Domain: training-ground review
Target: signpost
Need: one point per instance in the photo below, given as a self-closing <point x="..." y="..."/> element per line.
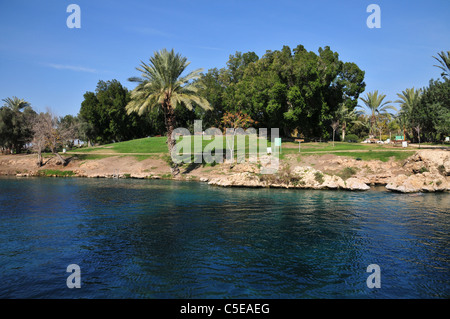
<point x="299" y="142"/>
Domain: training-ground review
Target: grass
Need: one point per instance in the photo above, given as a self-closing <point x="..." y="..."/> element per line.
<point x="383" y="156"/>
<point x="158" y="146"/>
<point x="55" y="172"/>
<point x="90" y="156"/>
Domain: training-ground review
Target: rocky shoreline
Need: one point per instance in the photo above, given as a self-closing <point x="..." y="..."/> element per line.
<point x="425" y="171"/>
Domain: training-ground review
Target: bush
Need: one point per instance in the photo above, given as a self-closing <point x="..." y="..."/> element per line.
<point x="319" y="177"/>
<point x="352" y="138"/>
<point x="423" y="170"/>
<point x="348" y="172"/>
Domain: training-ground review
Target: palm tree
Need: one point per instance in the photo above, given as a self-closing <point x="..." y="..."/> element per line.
<point x="20" y="114"/>
<point x="334" y="125"/>
<point x="161" y="85"/>
<point x="374" y="106"/>
<point x="444" y="60"/>
<point x="346" y="115"/>
<point x="408" y="100"/>
<point x="15" y="104"/>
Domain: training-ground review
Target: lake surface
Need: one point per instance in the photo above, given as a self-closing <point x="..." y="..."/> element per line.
<point x="168" y="239"/>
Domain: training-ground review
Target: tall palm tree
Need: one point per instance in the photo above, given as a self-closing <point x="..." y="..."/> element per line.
<point x="161" y="85"/>
<point x="408" y="99"/>
<point x="444" y="60"/>
<point x="375" y="106"/>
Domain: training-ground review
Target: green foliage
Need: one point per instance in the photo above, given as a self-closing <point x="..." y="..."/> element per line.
<point x="444" y="61"/>
<point x="408" y="100"/>
<point x="383" y="156"/>
<point x="347" y="172"/>
<point x="375" y="107"/>
<point x="319" y="177"/>
<point x="103" y="115"/>
<point x="55" y="172"/>
<point x="432" y="113"/>
<point x="283" y="176"/>
<point x="423" y="169"/>
<point x="351" y="138"/>
<point x="288" y="89"/>
<point x="16" y="118"/>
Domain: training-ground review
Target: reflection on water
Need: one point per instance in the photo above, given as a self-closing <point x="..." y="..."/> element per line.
<point x="166" y="239"/>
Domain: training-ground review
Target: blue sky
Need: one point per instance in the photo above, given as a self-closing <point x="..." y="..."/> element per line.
<point x="50" y="65"/>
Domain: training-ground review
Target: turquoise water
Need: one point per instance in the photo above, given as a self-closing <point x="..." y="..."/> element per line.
<point x="168" y="239"/>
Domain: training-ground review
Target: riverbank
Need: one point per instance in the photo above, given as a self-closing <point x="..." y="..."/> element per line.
<point x="424" y="171"/>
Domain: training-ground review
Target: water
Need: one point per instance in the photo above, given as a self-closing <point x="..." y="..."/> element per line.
<point x="167" y="239"/>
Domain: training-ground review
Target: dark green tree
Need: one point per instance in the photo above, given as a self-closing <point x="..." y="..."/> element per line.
<point x="103" y="116"/>
<point x="432" y="113"/>
<point x="16" y="116"/>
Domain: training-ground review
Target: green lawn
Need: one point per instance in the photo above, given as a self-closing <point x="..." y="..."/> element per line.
<point x="146" y="147"/>
<point x="383" y="156"/>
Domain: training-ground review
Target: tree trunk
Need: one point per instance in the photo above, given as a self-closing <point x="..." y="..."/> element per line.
<point x="333" y="137"/>
<point x="169" y="115"/>
<point x="61" y="159"/>
<point x="39" y="161"/>
<point x="344" y="127"/>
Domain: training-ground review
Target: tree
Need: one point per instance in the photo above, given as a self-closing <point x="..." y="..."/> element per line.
<point x="408" y="99"/>
<point x="374" y="106"/>
<point x="161" y="85"/>
<point x="49" y="133"/>
<point x="345" y="116"/>
<point x="444" y="61"/>
<point x="104" y="116"/>
<point x="15" y="118"/>
<point x="291" y="89"/>
<point x="417" y="128"/>
<point x="334" y="126"/>
<point x="432" y="112"/>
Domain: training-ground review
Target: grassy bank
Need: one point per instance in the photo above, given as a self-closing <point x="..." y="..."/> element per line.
<point x="156" y="146"/>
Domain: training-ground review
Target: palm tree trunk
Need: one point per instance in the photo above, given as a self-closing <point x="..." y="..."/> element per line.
<point x="169" y="116"/>
<point x="344" y="127"/>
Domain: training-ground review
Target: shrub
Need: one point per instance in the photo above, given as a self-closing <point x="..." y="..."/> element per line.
<point x="352" y="138"/>
<point x="441" y="169"/>
<point x="347" y="172"/>
<point x="319" y="177"/>
<point x="423" y="170"/>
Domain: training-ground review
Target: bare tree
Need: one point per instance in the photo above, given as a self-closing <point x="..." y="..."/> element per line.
<point x="334" y="125"/>
<point x="41" y="126"/>
<point x="49" y="133"/>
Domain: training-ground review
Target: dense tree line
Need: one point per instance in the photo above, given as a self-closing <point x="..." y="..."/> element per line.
<point x="103" y="117"/>
<point x="314" y="95"/>
<point x="295" y="90"/>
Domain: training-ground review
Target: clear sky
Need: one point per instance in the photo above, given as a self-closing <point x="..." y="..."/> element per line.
<point x="50" y="65"/>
